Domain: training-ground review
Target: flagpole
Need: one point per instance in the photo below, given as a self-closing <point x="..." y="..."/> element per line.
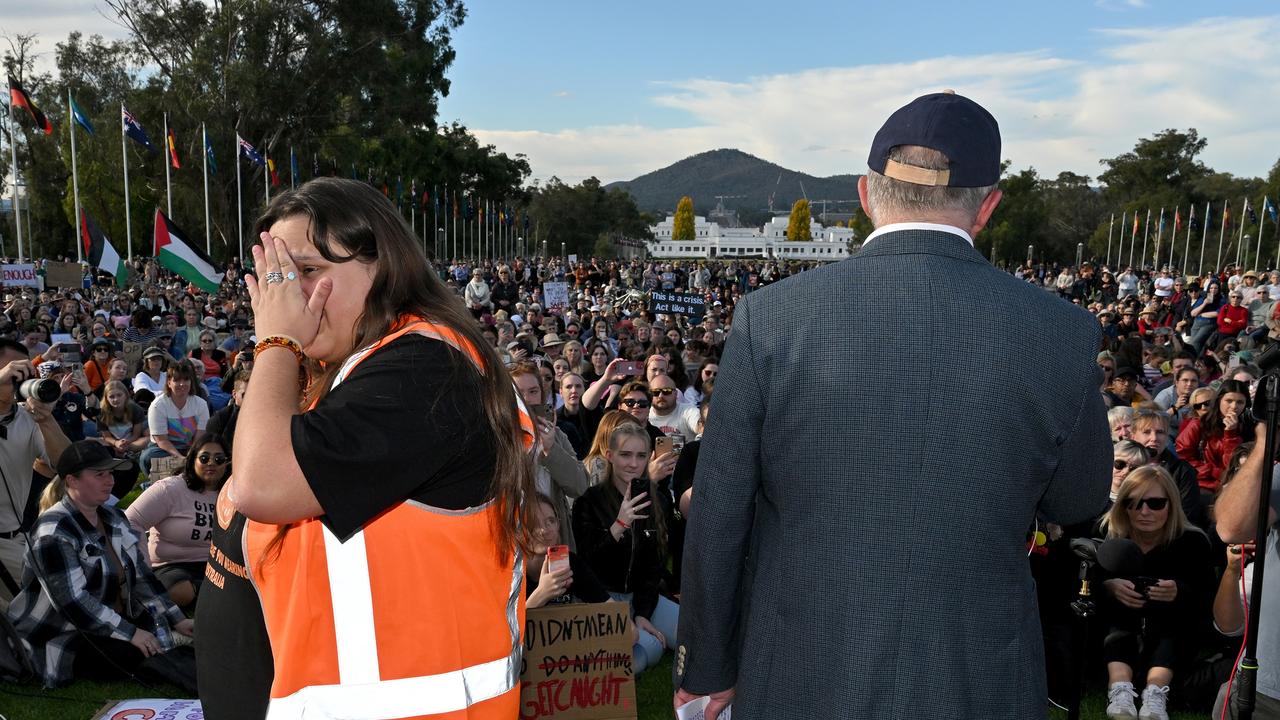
<point x="1119" y="246"/>
<point x="124" y="152"/>
<point x="1133" y="237"/>
<point x="293" y="176"/>
<point x="454" y="217"/>
<point x="239" y="208"/>
<point x="1222" y="232"/>
<point x="1239" y="249"/>
<point x="13" y="150"/>
<point x="168" y="186"/>
<point x="204" y="153"/>
<point x="1146" y="232"/>
<point x="75" y="176"/>
<point x="1155" y="253"/>
<point x="1173" y="236"/>
<point x="435" y="220"/>
<point x="1204" y="236"/>
<point x="1186" y="248"/>
<point x="266" y="176"/>
<point x="1257" y="252"/>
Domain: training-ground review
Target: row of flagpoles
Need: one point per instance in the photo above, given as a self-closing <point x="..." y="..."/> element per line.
<point x="497" y="226"/>
<point x="1269" y="210"/>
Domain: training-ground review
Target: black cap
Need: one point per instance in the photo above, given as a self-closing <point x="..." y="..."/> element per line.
<point x="1127" y="371"/>
<point x="88" y="455"/>
<point x="951" y="124"/>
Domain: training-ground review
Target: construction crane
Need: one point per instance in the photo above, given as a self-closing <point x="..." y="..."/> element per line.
<point x="775" y="192"/>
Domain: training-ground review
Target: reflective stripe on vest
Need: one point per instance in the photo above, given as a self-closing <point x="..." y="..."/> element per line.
<point x="404" y="619"/>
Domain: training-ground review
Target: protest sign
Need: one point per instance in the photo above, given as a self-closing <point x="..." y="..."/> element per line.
<point x="63" y="274"/>
<point x="577" y="663"/>
<point x="555" y="294"/>
<point x="573" y="259"/>
<point x="151" y="709"/>
<point x="674" y="303"/>
<point x="23" y="274"/>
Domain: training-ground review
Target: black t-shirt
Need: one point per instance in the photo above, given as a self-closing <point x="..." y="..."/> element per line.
<point x="407" y="423"/>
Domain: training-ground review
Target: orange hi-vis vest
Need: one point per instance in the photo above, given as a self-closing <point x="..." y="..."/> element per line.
<point x="412" y="617"/>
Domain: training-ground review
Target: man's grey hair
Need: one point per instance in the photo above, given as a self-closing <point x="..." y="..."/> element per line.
<point x="903" y="200"/>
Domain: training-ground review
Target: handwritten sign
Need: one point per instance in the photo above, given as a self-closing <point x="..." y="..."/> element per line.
<point x="63" y="274"/>
<point x="555" y="294"/>
<point x="23" y="275"/>
<point x="674" y="303"/>
<point x="152" y="709"/>
<point x="577" y="663"/>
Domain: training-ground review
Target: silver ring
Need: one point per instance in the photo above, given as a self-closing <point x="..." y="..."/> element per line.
<point x="274" y="277"/>
<point x="291" y="276"/>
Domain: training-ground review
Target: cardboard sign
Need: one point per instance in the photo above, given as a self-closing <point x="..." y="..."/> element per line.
<point x="577" y="663"/>
<point x="152" y="709"/>
<point x="555" y="294"/>
<point x="63" y="274"/>
<point x="23" y="275"/>
<point x="674" y="303"/>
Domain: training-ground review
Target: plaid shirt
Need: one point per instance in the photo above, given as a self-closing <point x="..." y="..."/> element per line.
<point x="78" y="587"/>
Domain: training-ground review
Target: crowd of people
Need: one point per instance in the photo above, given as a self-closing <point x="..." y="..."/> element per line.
<point x="151" y="379"/>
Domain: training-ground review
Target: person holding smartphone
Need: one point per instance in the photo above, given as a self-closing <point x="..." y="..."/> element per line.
<point x="548" y="581"/>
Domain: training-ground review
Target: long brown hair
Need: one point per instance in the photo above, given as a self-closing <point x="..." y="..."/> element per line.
<point x="349" y="220"/>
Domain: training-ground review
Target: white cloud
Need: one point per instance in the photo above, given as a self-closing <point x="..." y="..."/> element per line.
<point x="53" y="20"/>
<point x="1055" y="113"/>
<point x="562" y="94"/>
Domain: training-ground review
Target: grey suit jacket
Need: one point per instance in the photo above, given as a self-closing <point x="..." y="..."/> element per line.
<point x="882" y="433"/>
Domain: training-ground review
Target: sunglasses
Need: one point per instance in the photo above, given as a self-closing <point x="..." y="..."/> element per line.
<point x="660" y="392"/>
<point x="1156" y="503"/>
<point x="208" y="459"/>
<point x="1122" y="464"/>
<point x="1200" y="405"/>
<point x="631" y="403"/>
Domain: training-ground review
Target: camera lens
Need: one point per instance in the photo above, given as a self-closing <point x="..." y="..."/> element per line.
<point x="44" y="390"/>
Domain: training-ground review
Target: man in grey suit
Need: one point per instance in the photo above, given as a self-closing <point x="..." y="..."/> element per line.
<point x="857" y="542"/>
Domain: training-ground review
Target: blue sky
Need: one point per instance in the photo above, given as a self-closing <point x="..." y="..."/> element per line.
<point x="617" y="89"/>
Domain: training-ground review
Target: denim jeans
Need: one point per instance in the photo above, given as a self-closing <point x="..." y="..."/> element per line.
<point x="648" y="650"/>
<point x="1200" y="332"/>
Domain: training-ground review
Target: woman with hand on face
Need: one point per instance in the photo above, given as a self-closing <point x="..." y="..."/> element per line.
<point x="86" y="572"/>
<point x="622" y="534"/>
<point x="373" y="535"/>
<point x="1151" y="616"/>
<point x="1207" y="443"/>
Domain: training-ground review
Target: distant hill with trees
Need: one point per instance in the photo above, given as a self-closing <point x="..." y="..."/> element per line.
<point x="731" y="172"/>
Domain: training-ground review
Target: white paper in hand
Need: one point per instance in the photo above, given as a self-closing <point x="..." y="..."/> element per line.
<point x="697" y="710"/>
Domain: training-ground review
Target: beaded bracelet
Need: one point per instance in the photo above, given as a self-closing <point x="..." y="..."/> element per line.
<point x="281" y="341"/>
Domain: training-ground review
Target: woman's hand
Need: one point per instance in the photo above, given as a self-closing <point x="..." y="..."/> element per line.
<point x="644" y="624"/>
<point x="611" y="373"/>
<point x="281" y="308"/>
<point x="551" y="585"/>
<point x="546" y="436"/>
<point x="186" y="626"/>
<point x="146" y="642"/>
<point x="1230" y="421"/>
<point x="661" y="466"/>
<point x="1125" y="593"/>
<point x="631" y="508"/>
<point x="1163" y="591"/>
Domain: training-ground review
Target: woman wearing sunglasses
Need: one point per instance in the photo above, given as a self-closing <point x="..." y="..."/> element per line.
<point x="1148" y="614"/>
<point x="177" y="513"/>
<point x="1129" y="456"/>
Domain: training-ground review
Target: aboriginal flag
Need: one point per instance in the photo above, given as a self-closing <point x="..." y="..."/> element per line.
<point x="18" y="98"/>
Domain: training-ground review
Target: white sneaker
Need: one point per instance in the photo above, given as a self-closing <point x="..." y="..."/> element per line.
<point x="1120" y="701"/>
<point x="1154" y="698"/>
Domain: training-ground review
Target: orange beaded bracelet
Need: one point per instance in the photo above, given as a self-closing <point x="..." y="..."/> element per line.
<point x="281" y="341"/>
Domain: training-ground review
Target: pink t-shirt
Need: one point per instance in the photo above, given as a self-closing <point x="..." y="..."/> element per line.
<point x="180" y="521"/>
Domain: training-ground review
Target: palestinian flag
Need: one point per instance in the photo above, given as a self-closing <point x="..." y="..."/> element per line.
<point x="175" y="252"/>
<point x="98" y="251"/>
<point x="18" y="98"/>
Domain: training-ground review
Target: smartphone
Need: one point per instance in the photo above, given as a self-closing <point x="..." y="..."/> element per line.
<point x="558" y="557"/>
<point x="663" y="445"/>
<point x="631" y="367"/>
<point x="543" y="412"/>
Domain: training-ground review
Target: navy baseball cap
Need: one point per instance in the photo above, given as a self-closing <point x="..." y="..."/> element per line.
<point x="953" y="125"/>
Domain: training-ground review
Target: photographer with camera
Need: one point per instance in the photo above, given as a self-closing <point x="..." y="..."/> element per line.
<point x="1236" y="513"/>
<point x="28" y="432"/>
<point x="1150" y="616"/>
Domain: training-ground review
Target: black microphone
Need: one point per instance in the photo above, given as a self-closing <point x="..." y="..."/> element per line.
<point x="1123" y="558"/>
<point x="1120" y="557"/>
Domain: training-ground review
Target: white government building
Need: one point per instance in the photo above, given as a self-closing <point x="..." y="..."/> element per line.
<point x="712" y="241"/>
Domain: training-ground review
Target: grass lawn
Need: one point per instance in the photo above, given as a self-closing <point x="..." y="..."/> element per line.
<point x="81" y="700"/>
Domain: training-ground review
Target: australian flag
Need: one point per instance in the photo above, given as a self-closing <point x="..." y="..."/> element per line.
<point x="133" y="129"/>
<point x="250" y="152"/>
